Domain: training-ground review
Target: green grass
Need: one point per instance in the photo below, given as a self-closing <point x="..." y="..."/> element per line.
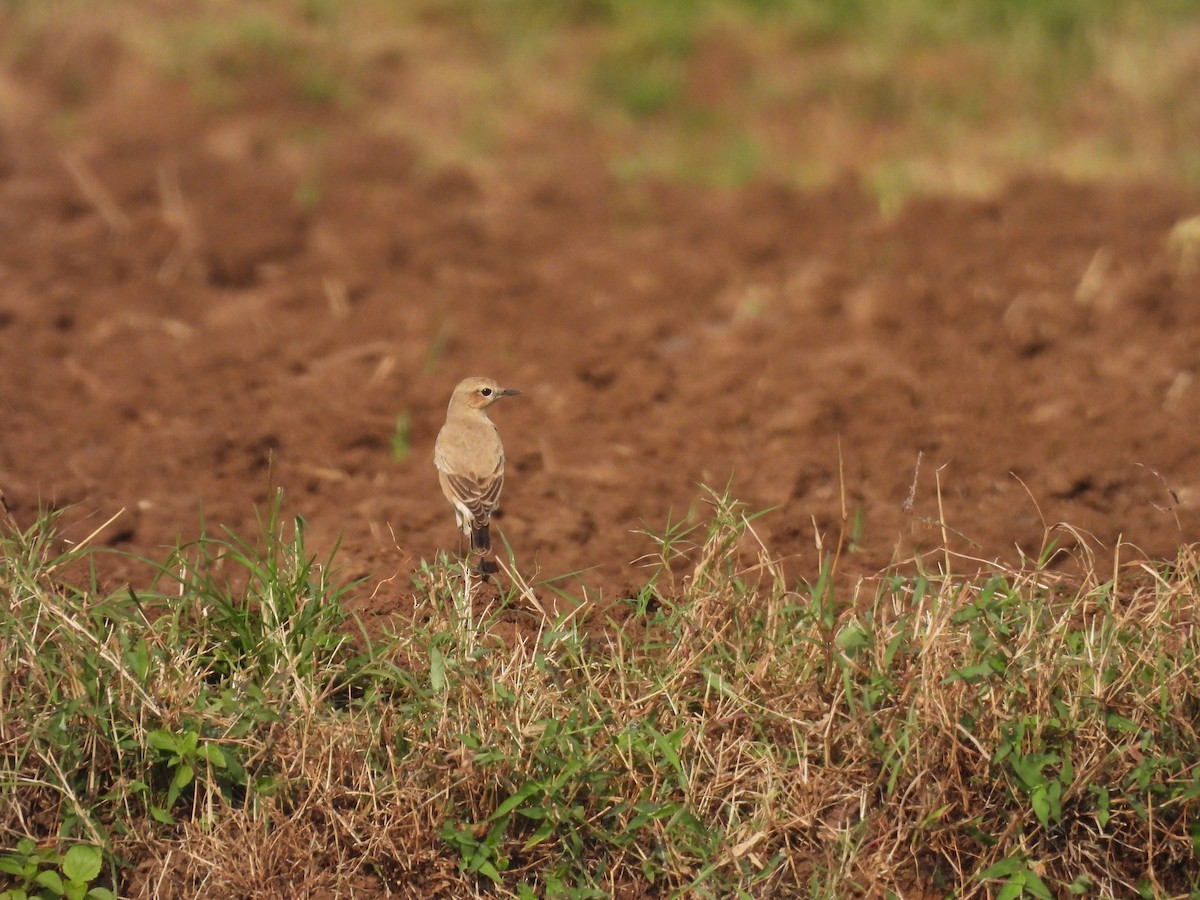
<point x="827" y="85"/>
<point x="913" y="96"/>
<point x="725" y="731"/>
<point x="295" y="50"/>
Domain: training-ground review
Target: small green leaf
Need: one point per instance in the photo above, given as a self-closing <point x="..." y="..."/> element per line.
<point x="486" y="868"/>
<point x="852" y="637"/>
<point x="161" y="815"/>
<point x="1080" y="886"/>
<point x="1041" y="804"/>
<point x="163" y="740"/>
<point x="1120" y="723"/>
<point x="934" y="817"/>
<point x="663" y="742"/>
<point x="183" y="776"/>
<point x="1013" y="888"/>
<point x="514" y="801"/>
<point x="1034" y="885"/>
<point x="437" y="670"/>
<point x="1068" y="767"/>
<point x="893" y="646"/>
<point x="83" y="863"/>
<point x="51" y="881"/>
<point x="1004" y="868"/>
<point x="714" y="681"/>
<point x="970" y="674"/>
<point x="188" y="744"/>
<point x="11" y="866"/>
<point x="543" y="831"/>
<point x="1102" y="810"/>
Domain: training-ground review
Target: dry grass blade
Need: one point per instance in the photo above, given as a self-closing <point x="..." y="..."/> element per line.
<point x="96" y="193"/>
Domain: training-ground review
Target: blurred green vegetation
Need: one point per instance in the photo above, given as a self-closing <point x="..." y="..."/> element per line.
<point x="911" y="95"/>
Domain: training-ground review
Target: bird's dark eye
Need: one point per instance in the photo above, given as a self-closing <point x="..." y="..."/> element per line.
<point x="487" y="392"/>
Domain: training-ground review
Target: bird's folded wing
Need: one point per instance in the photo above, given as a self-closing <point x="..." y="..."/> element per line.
<point x="480" y="496"/>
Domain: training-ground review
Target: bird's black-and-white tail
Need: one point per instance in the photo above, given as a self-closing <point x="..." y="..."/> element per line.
<point x="481" y="539"/>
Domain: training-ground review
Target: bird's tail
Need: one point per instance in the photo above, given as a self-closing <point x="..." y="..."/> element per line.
<point x="481" y="539"/>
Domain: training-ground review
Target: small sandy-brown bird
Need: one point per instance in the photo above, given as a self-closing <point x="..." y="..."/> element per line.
<point x="470" y="458"/>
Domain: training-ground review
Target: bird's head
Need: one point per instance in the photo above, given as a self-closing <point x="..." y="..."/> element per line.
<point x="479" y="393"/>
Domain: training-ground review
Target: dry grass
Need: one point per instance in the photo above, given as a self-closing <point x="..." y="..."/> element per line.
<point x="734" y="734"/>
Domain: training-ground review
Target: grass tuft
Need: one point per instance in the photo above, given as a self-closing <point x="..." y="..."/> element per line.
<point x="730" y="731"/>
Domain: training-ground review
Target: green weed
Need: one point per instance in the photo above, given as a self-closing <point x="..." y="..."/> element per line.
<point x="45" y="873"/>
<point x="401" y="438"/>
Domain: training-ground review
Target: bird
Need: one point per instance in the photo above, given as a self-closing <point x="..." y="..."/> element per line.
<point x="470" y="458"/>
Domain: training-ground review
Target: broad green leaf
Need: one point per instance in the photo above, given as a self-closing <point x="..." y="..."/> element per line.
<point x="183" y="776"/>
<point x="83" y="863"/>
<point x="51" y="881"/>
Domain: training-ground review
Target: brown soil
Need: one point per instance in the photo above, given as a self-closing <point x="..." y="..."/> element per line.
<point x="197" y="307"/>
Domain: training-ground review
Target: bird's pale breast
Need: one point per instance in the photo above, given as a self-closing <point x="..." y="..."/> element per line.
<point x="469" y="446"/>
